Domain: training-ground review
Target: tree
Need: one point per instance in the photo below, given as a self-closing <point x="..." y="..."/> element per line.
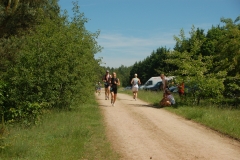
<point x="54" y="67"/>
<point x="195" y="69"/>
<point x="229" y="56"/>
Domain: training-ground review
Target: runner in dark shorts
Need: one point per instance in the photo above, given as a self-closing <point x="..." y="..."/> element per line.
<point x="106" y="80"/>
<point x="114" y="83"/>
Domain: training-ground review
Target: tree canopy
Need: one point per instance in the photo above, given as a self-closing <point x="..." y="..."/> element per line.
<point x="47" y="60"/>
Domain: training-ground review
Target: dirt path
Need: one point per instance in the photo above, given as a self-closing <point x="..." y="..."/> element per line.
<point x="139" y="132"/>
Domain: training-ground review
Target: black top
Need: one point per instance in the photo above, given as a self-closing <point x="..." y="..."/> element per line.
<point x="114" y="85"/>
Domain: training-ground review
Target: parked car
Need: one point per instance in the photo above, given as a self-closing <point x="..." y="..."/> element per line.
<point x="128" y="88"/>
<point x="141" y="87"/>
<point x="173" y="89"/>
<point x="153" y="83"/>
<point x="156" y="87"/>
<point x="188" y="89"/>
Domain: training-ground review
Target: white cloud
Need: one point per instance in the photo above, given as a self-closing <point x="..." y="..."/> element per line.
<point x="123" y="50"/>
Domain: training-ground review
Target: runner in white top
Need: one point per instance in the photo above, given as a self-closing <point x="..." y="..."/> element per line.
<point x="135" y="82"/>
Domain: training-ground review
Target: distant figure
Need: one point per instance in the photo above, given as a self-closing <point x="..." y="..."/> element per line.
<point x="106" y="79"/>
<point x="96" y="87"/>
<point x="99" y="87"/>
<point x="114" y="83"/>
<point x="164" y="84"/>
<point x="135" y="82"/>
<point x="168" y="100"/>
<point x="181" y="89"/>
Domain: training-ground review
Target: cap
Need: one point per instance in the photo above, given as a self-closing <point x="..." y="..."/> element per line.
<point x="107" y="71"/>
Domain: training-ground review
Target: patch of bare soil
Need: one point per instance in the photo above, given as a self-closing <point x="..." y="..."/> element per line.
<point x="139" y="131"/>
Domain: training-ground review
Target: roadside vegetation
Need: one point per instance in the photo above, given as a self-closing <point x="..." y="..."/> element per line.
<point x="62" y="134"/>
<point x="222" y="119"/>
<point x="47" y="77"/>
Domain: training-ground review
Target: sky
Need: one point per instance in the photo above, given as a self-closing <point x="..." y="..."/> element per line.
<point x="130" y="30"/>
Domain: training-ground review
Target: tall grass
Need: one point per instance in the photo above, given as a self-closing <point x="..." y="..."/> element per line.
<point x="224" y="120"/>
<point x="65" y="135"/>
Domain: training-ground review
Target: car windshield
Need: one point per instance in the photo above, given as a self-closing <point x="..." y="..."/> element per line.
<point x="149" y="83"/>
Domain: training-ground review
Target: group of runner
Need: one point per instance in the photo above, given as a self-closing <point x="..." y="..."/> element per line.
<point x="110" y="84"/>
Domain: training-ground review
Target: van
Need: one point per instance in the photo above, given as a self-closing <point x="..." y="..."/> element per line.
<point x="152" y="82"/>
<point x="155" y="83"/>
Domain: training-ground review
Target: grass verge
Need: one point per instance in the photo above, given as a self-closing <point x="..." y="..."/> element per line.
<point x="224" y="120"/>
<point x="65" y="135"/>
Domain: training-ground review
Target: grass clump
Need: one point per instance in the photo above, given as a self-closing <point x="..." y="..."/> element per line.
<point x="65" y="135"/>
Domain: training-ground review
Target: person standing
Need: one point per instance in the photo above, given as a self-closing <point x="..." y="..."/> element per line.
<point x="135" y="82"/>
<point x="106" y="80"/>
<point x="164" y="84"/>
<point x="181" y="90"/>
<point x="114" y="83"/>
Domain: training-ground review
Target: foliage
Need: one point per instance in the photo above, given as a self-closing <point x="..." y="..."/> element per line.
<point x="75" y="134"/>
<point x="53" y="66"/>
<point x="229" y="57"/>
<point x="21" y="17"/>
<point x="152" y="66"/>
<point x="195" y="69"/>
<point x="208" y="63"/>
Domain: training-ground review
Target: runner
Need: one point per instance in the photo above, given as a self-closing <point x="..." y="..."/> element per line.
<point x="181" y="90"/>
<point x="99" y="88"/>
<point x="114" y="83"/>
<point x="135" y="82"/>
<point x="106" y="79"/>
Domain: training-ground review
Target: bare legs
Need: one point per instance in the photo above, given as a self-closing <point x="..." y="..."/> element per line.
<point x="135" y="95"/>
<point x="107" y="92"/>
<point x="113" y="98"/>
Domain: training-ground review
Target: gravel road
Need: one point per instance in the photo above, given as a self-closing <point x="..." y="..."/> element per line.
<point x="139" y="131"/>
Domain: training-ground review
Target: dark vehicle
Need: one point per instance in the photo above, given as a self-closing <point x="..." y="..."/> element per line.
<point x="128" y="88"/>
<point x="156" y="87"/>
<point x="187" y="89"/>
<point x="173" y="89"/>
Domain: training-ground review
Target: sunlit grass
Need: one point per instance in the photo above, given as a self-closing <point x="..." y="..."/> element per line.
<point x="226" y="121"/>
<point x="65" y="135"/>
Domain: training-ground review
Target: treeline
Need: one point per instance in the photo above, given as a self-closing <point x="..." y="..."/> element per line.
<point x="207" y="63"/>
<point x="46" y="59"/>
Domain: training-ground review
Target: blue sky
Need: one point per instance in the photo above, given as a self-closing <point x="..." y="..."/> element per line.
<point x="130" y="30"/>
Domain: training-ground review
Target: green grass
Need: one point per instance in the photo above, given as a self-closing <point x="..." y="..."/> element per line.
<point x="65" y="135"/>
<point x="224" y="120"/>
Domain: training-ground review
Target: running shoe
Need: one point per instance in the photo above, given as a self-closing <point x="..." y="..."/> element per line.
<point x="113" y="104"/>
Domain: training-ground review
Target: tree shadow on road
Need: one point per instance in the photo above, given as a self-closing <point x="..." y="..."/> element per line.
<point x="155" y="105"/>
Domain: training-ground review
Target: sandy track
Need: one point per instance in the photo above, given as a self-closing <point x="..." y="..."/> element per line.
<point x="138" y="131"/>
